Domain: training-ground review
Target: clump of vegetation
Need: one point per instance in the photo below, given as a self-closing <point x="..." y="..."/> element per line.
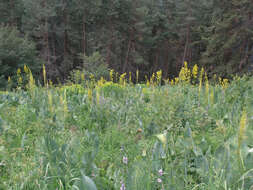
<point x="190" y="133"/>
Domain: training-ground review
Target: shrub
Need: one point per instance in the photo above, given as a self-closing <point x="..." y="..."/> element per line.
<point x="93" y="65"/>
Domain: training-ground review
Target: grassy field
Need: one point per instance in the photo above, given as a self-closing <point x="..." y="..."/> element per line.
<point x="120" y="136"/>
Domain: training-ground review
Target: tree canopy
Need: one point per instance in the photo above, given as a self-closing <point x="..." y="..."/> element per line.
<point x="147" y="35"/>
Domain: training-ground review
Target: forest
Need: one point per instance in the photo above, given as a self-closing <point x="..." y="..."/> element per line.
<point x="125" y="35"/>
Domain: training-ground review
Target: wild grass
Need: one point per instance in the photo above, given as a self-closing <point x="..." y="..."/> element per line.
<point x="115" y="135"/>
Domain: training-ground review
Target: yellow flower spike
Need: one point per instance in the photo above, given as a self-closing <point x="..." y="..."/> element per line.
<point x="130" y="77"/>
<point x="137" y="76"/>
<point x="159" y="77"/>
<point x="200" y="79"/>
<point x="90" y="94"/>
<point x="18" y="71"/>
<point x="83" y="77"/>
<point x="148" y="83"/>
<point x="50" y="83"/>
<point x="20" y="80"/>
<point x="176" y="80"/>
<point x="195" y="71"/>
<point x="26" y="69"/>
<point x="212" y="95"/>
<point x="207" y="85"/>
<point x="97" y="97"/>
<point x="9" y="79"/>
<point x="122" y="79"/>
<point x="111" y="74"/>
<point x="225" y="83"/>
<point x="241" y="137"/>
<point x="116" y="77"/>
<point x="163" y="138"/>
<point x="31" y="81"/>
<point x="152" y="79"/>
<point x="92" y="77"/>
<point x="220" y="81"/>
<point x="242" y="128"/>
<point x="185" y="64"/>
<point x="182" y="75"/>
<point x="44" y="75"/>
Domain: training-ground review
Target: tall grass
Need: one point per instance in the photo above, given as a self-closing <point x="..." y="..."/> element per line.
<point x="115" y="135"/>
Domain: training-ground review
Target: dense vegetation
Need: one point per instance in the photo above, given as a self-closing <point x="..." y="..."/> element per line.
<point x="148" y="35"/>
<point x="187" y="134"/>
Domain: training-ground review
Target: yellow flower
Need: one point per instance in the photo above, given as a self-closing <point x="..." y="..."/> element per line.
<point x="18" y="71"/>
<point x="185" y="74"/>
<point x="122" y="79"/>
<point x="20" y="80"/>
<point x="137" y="76"/>
<point x="176" y="80"/>
<point x="152" y="79"/>
<point x="200" y="79"/>
<point x="163" y="138"/>
<point x="159" y="76"/>
<point x="207" y="85"/>
<point x="225" y="83"/>
<point x="241" y="136"/>
<point x="90" y="94"/>
<point x="26" y="69"/>
<point x="130" y="77"/>
<point x="97" y="97"/>
<point x="111" y="75"/>
<point x="83" y="77"/>
<point x="212" y="95"/>
<point x="242" y="128"/>
<point x="185" y="64"/>
<point x="148" y="83"/>
<point x="195" y="71"/>
<point x="44" y="75"/>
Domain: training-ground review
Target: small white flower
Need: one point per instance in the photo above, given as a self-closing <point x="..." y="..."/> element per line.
<point x="159" y="180"/>
<point x="125" y="160"/>
<point x="160" y="172"/>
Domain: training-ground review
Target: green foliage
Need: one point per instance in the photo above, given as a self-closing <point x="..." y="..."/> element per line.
<point x="15" y="52"/>
<point x="95" y="65"/>
<point x="110" y="89"/>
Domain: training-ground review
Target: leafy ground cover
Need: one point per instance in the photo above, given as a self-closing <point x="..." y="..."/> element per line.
<point x="110" y="136"/>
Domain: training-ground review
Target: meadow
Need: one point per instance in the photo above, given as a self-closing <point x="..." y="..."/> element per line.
<point x="191" y="133"/>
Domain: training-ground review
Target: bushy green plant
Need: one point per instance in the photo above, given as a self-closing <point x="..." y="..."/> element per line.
<point x="93" y="67"/>
<point x="111" y="89"/>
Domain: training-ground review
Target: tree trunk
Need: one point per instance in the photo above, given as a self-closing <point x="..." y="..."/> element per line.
<point x="109" y="47"/>
<point x="127" y="55"/>
<point x="65" y="18"/>
<point x="84" y="35"/>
